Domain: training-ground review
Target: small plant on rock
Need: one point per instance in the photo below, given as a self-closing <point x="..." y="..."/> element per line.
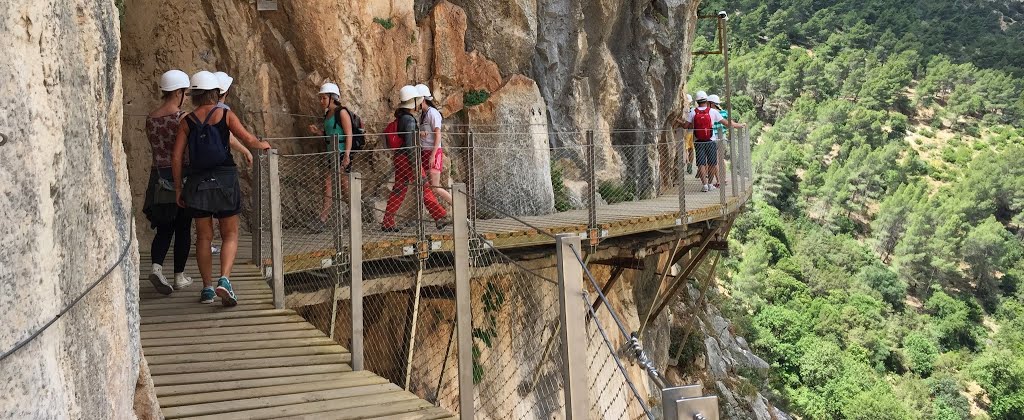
<point x="475" y="97"/>
<point x="386" y="23"/>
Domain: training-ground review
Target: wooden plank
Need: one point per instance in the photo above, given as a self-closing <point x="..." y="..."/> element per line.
<point x="149" y="320"/>
<point x="279" y="405"/>
<point x="176" y="390"/>
<point x="269" y="391"/>
<point x="232" y="355"/>
<point x="226" y="330"/>
<point x="241" y="335"/>
<point x="230" y="322"/>
<point x="148" y="305"/>
<point x="218" y="309"/>
<point x="408" y="409"/>
<point x="380" y="401"/>
<point x="269" y="372"/>
<point x="238" y="365"/>
<point x="235" y="345"/>
<point x="190" y="298"/>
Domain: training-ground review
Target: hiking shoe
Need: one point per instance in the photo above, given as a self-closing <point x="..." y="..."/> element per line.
<point x="160" y="283"/>
<point x="704" y="188"/>
<point x="181" y="281"/>
<point x="207" y="295"/>
<point x="226" y="293"/>
<point x="214" y="249"/>
<point x="689" y="168"/>
<point x="441" y="224"/>
<point x="712" y="188"/>
<point x="392" y="229"/>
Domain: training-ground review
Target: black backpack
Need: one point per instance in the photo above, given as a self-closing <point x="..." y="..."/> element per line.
<point x="358" y="133"/>
<point x="206" y="148"/>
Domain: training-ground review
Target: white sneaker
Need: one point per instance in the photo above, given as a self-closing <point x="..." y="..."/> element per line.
<point x="159" y="281"/>
<point x="214" y="249"/>
<point x="704" y="188"/>
<point x="181" y="281"/>
<point x="712" y="188"/>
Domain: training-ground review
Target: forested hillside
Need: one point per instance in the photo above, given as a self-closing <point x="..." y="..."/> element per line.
<point x="880" y="267"/>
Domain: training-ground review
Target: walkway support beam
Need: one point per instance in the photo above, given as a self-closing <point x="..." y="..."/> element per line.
<point x="276" y="240"/>
<point x="463" y="301"/>
<point x="572" y="318"/>
<point x="355" y="248"/>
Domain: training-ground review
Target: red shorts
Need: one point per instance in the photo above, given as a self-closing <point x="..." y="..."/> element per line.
<point x="438" y="160"/>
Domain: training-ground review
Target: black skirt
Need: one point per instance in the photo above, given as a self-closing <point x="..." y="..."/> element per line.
<point x="216" y="191"/>
<point x="160" y="206"/>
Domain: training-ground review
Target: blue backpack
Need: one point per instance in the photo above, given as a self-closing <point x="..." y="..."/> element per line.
<point x="206" y="147"/>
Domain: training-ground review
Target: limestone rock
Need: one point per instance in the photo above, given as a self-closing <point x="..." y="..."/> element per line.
<point x="514" y="172"/>
<point x="146" y="405"/>
<point x="454" y="70"/>
<point x="68" y="209"/>
<point x="513" y="44"/>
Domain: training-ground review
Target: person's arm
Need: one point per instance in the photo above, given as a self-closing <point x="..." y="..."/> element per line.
<point x="237" y="145"/>
<point x="733" y="124"/>
<point x="177" y="156"/>
<point x="346" y="126"/>
<point x="236" y="128"/>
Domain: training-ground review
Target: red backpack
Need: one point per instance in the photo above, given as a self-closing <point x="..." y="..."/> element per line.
<point x="702" y="125"/>
<point x="393" y="140"/>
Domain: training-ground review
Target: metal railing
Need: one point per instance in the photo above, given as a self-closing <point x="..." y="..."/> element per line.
<point x="417" y="290"/>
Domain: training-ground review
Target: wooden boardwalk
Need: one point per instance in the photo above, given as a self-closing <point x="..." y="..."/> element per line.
<point x="304" y="250"/>
<point x="253" y="361"/>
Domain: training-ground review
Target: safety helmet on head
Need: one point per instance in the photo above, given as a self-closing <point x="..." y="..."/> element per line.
<point x="702" y="96"/>
<point x="408" y="93"/>
<point x="223" y="81"/>
<point x="689" y="98"/>
<point x="424" y="91"/>
<point x="173" y="80"/>
<point x="205" y="80"/>
<point x="714" y="99"/>
<point x="329" y="89"/>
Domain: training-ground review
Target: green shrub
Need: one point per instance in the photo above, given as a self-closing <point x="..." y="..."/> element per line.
<point x="475" y="97"/>
<point x="562" y="202"/>
<point x="921" y="352"/>
<point x="615" y="192"/>
<point x="385" y="23"/>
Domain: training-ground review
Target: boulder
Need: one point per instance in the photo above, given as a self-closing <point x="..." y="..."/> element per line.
<point x="68" y="216"/>
<point x="454" y="71"/>
<point x="513" y="165"/>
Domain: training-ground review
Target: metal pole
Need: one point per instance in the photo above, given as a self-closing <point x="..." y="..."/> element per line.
<point x="572" y="318"/>
<point x="463" y="308"/>
<point x="257" y="210"/>
<point x="338" y="234"/>
<point x="682" y="175"/>
<point x="276" y="240"/>
<point x="355" y="249"/>
<point x="720" y="177"/>
<point x="723" y="20"/>
<point x="591" y="187"/>
<point x="471" y="178"/>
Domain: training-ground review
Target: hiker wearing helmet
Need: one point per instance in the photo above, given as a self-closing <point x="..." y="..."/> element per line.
<point x="335" y="123"/>
<point x="702" y="121"/>
<point x="719" y="131"/>
<point x="212" y="189"/>
<point x="401" y="134"/>
<point x="169" y="220"/>
<point x="430" y="142"/>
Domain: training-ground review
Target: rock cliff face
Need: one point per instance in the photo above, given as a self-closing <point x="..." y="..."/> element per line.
<point x="67" y="210"/>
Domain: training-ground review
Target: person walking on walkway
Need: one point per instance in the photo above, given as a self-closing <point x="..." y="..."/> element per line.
<point x="212" y="189"/>
<point x="719" y="135"/>
<point x="402" y="138"/>
<point x="169" y="220"/>
<point x="335" y="123"/>
<point x="430" y="142"/>
<point x="702" y="120"/>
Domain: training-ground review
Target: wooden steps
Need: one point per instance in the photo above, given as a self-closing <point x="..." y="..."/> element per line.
<point x="252" y="361"/>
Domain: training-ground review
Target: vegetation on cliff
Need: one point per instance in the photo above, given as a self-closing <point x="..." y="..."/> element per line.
<point x="880" y="267"/>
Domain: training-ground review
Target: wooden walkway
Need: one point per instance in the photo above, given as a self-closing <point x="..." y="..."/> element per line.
<point x="253" y="361"/>
<point x="304" y="250"/>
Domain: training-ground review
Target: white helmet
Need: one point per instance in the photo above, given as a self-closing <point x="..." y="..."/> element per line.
<point x="702" y="96"/>
<point x="224" y="81"/>
<point x="205" y="80"/>
<point x="689" y="98"/>
<point x="330" y="89"/>
<point x="174" y="80"/>
<point x="424" y="91"/>
<point x="408" y="93"/>
<point x="714" y="99"/>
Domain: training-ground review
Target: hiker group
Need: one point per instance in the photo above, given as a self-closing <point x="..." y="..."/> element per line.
<point x="703" y="125"/>
<point x="194" y="176"/>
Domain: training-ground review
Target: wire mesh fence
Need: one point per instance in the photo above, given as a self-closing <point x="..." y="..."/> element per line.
<point x="614" y="393"/>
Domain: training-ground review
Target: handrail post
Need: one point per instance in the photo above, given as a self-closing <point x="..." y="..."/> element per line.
<point x="681" y="162"/>
<point x="256" y="224"/>
<point x="339" y="241"/>
<point x="591" y="159"/>
<point x="463" y="308"/>
<point x="276" y="240"/>
<point x="355" y="249"/>
<point x="721" y="169"/>
<point x="572" y="318"/>
<point x="734" y="165"/>
<point x="471" y="176"/>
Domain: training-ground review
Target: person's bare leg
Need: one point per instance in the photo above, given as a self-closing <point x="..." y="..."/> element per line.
<point x="229" y="248"/>
<point x="204" y="256"/>
<point x="325" y="210"/>
<point x="435" y="182"/>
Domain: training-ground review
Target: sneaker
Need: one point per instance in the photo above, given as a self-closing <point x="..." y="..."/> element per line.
<point x="712" y="188"/>
<point x="689" y="168"/>
<point x="214" y="249"/>
<point x="704" y="188"/>
<point x="226" y="293"/>
<point x="159" y="281"/>
<point x="181" y="281"/>
<point x="207" y="295"/>
<point x="441" y="224"/>
<point x="392" y="229"/>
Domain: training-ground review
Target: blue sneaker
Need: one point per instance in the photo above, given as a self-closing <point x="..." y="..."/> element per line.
<point x="226" y="293"/>
<point x="207" y="295"/>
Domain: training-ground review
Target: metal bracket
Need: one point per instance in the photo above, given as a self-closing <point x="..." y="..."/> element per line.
<point x="423" y="249"/>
